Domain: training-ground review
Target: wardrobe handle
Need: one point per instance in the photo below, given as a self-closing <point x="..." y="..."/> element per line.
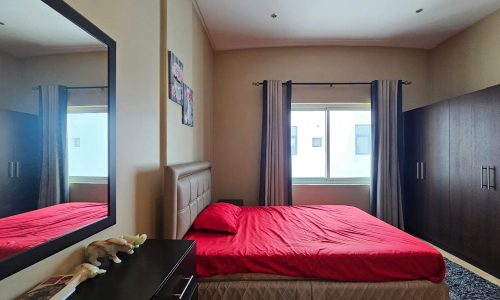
<point x="483" y="168"/>
<point x="491" y="181"/>
<point x="418" y="170"/>
<point x="11" y="169"/>
<point x="422" y="172"/>
<point x="17" y="169"/>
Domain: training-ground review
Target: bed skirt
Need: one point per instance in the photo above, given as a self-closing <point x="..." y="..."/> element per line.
<point x="321" y="290"/>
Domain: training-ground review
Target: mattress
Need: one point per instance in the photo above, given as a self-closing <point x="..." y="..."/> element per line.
<point x="249" y="277"/>
<point x="321" y="290"/>
<point x="27" y="230"/>
<point x="339" y="243"/>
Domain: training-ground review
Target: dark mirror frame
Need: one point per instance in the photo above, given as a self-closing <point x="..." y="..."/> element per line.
<point x="25" y="259"/>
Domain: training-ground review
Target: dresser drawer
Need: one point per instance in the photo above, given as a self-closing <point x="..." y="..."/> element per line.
<point x="182" y="284"/>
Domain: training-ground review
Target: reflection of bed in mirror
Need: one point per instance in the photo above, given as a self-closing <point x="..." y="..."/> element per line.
<point x="24" y="231"/>
<point x="56" y="130"/>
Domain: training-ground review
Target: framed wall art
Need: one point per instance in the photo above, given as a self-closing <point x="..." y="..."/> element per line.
<point x="176" y="78"/>
<point x="187" y="107"/>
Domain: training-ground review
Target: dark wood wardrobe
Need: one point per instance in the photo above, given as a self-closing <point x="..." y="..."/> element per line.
<point x="451" y="192"/>
<point x="20" y="157"/>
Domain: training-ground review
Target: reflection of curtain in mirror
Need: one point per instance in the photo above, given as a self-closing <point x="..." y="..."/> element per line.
<point x="53" y="115"/>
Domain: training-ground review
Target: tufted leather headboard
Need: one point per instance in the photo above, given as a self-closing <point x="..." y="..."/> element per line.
<point x="188" y="189"/>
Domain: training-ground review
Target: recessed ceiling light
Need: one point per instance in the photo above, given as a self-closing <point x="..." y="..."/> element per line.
<point x="419" y="10"/>
<point x="274" y="16"/>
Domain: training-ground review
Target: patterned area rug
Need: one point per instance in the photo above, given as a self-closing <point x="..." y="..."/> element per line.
<point x="465" y="285"/>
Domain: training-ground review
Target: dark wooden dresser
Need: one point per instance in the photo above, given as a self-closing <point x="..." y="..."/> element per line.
<point x="159" y="269"/>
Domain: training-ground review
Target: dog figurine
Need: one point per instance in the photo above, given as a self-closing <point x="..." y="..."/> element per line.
<point x="86" y="271"/>
<point x="107" y="248"/>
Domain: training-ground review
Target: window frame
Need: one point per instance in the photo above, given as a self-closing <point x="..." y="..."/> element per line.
<point x="327" y="107"/>
<point x="74" y="109"/>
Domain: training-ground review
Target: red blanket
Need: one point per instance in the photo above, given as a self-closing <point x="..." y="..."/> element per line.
<point x="339" y="243"/>
<point x="27" y="230"/>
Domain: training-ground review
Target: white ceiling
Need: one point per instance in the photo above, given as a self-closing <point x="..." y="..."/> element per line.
<point x="32" y="28"/>
<point x="238" y="24"/>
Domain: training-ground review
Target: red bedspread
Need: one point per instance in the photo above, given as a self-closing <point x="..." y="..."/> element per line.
<point x="339" y="243"/>
<point x="27" y="230"/>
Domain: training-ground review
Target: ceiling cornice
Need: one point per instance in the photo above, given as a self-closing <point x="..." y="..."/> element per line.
<point x="203" y="23"/>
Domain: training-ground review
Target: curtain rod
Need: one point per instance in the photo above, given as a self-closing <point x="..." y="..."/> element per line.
<point x="86" y="87"/>
<point x="78" y="87"/>
<point x="405" y="82"/>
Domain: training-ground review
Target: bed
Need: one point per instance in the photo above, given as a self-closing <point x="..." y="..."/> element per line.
<point x="286" y="252"/>
<point x="27" y="230"/>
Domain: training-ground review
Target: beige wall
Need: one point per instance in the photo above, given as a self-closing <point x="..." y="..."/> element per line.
<point x="468" y="61"/>
<point x="88" y="192"/>
<point x="135" y="25"/>
<point x="10" y="75"/>
<point x="238" y="107"/>
<point x="75" y="69"/>
<point x="187" y="39"/>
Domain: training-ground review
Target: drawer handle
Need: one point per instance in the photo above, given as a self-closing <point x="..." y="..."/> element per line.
<point x="185" y="287"/>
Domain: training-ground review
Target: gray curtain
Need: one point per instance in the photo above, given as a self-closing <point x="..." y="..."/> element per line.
<point x="387" y="152"/>
<point x="275" y="165"/>
<point x="53" y="109"/>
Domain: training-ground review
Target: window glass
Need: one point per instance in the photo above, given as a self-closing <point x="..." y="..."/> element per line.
<point x="87" y="144"/>
<point x="350" y="143"/>
<point x="309" y="160"/>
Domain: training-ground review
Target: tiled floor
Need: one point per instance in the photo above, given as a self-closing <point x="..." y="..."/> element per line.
<point x="470" y="267"/>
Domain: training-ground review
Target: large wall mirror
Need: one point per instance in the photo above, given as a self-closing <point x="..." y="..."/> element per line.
<point x="57" y="130"/>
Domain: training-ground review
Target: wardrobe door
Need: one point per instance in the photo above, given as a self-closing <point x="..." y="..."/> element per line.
<point x="6" y="161"/>
<point x="464" y="179"/>
<point x="435" y="172"/>
<point x="27" y="154"/>
<point x="485" y="246"/>
<point x="413" y="185"/>
<point x="19" y="161"/>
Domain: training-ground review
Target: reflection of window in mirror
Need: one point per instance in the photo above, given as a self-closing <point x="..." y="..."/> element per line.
<point x="88" y="144"/>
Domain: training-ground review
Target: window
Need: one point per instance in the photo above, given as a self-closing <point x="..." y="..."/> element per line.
<point x="310" y="161"/>
<point x="317" y="142"/>
<point x="87" y="140"/>
<point x="334" y="145"/>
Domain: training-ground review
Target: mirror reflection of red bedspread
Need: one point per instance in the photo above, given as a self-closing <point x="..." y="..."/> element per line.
<point x="27" y="230"/>
<point x="333" y="242"/>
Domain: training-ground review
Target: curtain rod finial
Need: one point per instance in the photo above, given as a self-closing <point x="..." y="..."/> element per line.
<point x="256" y="83"/>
